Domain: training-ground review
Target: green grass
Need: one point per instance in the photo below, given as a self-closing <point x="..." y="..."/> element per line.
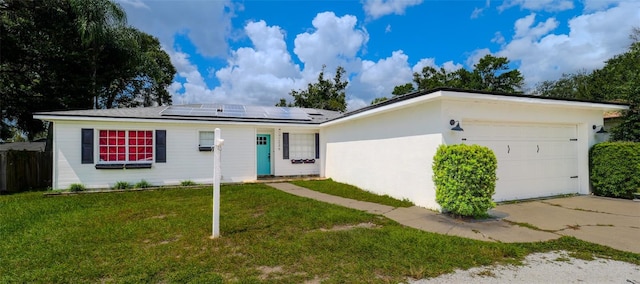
<point x="349" y="191"/>
<point x="188" y="183"/>
<point x="163" y="236"/>
<point x="122" y="185"/>
<point x="142" y="184"/>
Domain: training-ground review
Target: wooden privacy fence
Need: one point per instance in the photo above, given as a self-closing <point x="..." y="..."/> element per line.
<point x="24" y="170"/>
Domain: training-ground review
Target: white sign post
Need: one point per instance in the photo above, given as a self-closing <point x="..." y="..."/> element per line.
<point x="217" y="148"/>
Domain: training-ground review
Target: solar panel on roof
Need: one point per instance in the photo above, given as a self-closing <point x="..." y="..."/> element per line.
<point x="237" y="111"/>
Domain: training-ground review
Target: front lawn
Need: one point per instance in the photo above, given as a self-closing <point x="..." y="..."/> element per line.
<point x="267" y="236"/>
<point x="349" y="191"/>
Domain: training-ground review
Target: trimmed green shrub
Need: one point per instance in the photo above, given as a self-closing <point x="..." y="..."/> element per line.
<point x="614" y="169"/>
<point x="75" y="187"/>
<point x="465" y="179"/>
<point x="188" y="183"/>
<point x="142" y="184"/>
<point x="122" y="185"/>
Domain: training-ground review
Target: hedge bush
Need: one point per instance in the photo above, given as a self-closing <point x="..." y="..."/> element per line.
<point x="76" y="187"/>
<point x="122" y="185"/>
<point x="615" y="169"/>
<point x="465" y="179"/>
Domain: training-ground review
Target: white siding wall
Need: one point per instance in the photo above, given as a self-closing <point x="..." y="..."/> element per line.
<point x="184" y="161"/>
<point x="284" y="167"/>
<point x="388" y="153"/>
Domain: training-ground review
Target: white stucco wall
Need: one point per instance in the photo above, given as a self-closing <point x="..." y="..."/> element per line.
<point x="389" y="153"/>
<point x="184" y="161"/>
<point x="390" y="149"/>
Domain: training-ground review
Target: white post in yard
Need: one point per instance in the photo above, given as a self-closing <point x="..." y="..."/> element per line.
<point x="217" y="148"/>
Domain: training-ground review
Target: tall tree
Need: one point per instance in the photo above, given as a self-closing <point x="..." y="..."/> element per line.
<point x="397" y="91"/>
<point x="45" y="65"/>
<point x="617" y="81"/>
<point x="622" y="75"/>
<point x="491" y="74"/>
<point x="580" y="85"/>
<point x="98" y="23"/>
<point x="403" y="89"/>
<point x="324" y="94"/>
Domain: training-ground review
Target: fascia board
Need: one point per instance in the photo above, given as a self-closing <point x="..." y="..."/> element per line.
<point x="55" y="118"/>
<point x="391" y="107"/>
<point x="462" y="96"/>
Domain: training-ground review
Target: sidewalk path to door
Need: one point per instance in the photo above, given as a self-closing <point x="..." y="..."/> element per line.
<point x="423" y="219"/>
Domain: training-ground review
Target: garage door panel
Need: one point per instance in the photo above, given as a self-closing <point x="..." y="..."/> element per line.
<point x="533" y="160"/>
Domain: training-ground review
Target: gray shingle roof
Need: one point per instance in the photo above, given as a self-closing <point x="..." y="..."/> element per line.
<point x="315" y="116"/>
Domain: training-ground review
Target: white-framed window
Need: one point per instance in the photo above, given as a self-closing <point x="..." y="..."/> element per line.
<point x="206" y="140"/>
<point x="125" y="146"/>
<point x="302" y="146"/>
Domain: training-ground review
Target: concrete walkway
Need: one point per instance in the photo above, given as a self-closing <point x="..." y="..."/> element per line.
<point x="606" y="221"/>
<point x="430" y="221"/>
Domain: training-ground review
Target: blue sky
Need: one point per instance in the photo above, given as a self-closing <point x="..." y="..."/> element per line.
<point x="255" y="52"/>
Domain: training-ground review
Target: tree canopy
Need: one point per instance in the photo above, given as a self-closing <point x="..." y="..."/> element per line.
<point x="617" y="81"/>
<point x="490" y="74"/>
<point x="74" y="54"/>
<point x="324" y="94"/>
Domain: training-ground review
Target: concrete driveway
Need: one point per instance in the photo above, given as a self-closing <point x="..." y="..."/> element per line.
<point x="606" y="221"/>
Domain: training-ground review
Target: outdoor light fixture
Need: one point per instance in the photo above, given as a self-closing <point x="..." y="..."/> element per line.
<point x="601" y="131"/>
<point x="457" y="127"/>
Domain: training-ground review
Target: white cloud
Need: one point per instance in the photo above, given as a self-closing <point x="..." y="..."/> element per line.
<point x="431" y="62"/>
<point x="194" y="90"/>
<point x="334" y="41"/>
<point x="451" y="66"/>
<point x="377" y="79"/>
<point x="378" y="8"/>
<point x="206" y="23"/>
<point x="475" y="57"/>
<point x="523" y="27"/>
<point x="498" y="38"/>
<point x="387" y="29"/>
<point x="592" y="39"/>
<point x="477" y="12"/>
<point x="262" y="74"/>
<point x="448" y="66"/>
<point x="599" y="5"/>
<point x="538" y="5"/>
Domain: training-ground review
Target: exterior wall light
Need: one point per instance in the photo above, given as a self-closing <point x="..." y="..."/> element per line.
<point x="601" y="131"/>
<point x="457" y="127"/>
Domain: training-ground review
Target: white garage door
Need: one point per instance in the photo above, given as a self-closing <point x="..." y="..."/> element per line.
<point x="534" y="160"/>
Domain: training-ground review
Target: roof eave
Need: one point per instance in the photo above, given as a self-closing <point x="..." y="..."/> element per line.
<point x="61" y="117"/>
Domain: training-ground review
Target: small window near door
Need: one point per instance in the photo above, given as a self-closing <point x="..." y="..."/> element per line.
<point x="302" y="146"/>
<point x="261" y="140"/>
<point x="206" y="141"/>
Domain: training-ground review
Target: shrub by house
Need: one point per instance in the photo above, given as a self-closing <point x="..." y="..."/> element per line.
<point x="465" y="179"/>
<point x="614" y="169"/>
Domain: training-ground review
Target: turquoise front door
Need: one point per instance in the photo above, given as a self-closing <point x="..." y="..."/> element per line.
<point x="263" y="144"/>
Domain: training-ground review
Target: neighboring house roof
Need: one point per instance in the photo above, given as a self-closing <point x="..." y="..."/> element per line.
<point x="612" y="115"/>
<point x="268" y="114"/>
<point x="23" y="146"/>
<point x="207" y="112"/>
